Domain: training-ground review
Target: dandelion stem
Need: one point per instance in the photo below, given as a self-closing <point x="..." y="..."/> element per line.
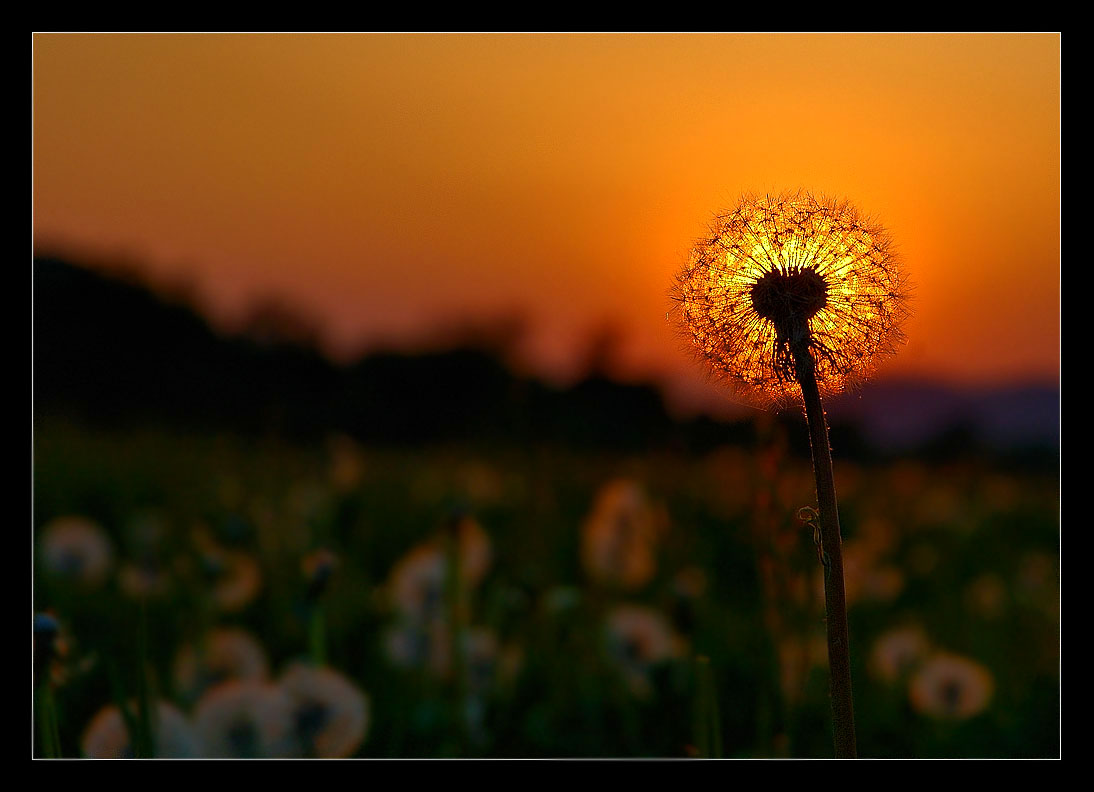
<point x="835" y="601"/>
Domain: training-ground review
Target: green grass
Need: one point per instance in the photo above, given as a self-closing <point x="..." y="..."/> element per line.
<point x="933" y="533"/>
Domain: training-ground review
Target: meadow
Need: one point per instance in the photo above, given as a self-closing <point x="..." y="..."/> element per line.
<point x="525" y="601"/>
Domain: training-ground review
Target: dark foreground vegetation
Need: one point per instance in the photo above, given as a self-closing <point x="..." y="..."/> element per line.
<point x="428" y="555"/>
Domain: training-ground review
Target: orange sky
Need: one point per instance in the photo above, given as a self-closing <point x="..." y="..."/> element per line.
<point x="384" y="183"/>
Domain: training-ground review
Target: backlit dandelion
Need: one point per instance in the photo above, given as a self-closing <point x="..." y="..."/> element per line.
<point x="782" y="275"/>
<point x="794" y="296"/>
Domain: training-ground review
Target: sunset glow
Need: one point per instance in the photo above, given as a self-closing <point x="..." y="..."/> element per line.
<point x="390" y="186"/>
<point x="539" y="396"/>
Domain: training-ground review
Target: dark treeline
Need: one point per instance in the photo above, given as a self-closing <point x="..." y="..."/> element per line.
<point x="111" y="352"/>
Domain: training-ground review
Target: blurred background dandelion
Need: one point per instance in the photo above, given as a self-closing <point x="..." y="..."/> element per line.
<point x="360" y="431"/>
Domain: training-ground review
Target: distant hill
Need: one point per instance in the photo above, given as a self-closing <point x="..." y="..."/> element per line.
<point x="109" y="350"/>
<point x="899" y="415"/>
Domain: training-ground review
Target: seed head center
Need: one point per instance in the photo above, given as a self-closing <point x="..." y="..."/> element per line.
<point x="789" y="298"/>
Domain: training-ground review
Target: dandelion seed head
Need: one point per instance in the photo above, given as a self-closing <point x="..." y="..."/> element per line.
<point x="107" y="737"/>
<point x="417" y="581"/>
<point x="224" y="653"/>
<point x="330" y="714"/>
<point x="77" y="550"/>
<point x="233" y="578"/>
<point x="791" y="271"/>
<point x="638" y="638"/>
<point x="951" y="687"/>
<point x="898" y="651"/>
<point x="619" y="536"/>
<point x="245" y="719"/>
